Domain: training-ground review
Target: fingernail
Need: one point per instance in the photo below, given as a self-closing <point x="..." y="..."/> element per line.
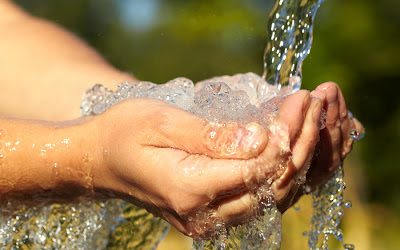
<point x="253" y="138"/>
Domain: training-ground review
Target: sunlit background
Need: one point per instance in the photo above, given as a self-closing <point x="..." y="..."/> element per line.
<point x="355" y="44"/>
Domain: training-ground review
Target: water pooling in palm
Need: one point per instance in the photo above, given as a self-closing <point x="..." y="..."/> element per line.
<point x="118" y="224"/>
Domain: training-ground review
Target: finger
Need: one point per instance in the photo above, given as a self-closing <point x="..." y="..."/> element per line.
<point x="182" y="130"/>
<point x="236" y="209"/>
<point x="283" y="134"/>
<point x="346" y="125"/>
<point x="214" y="177"/>
<point x="222" y="177"/>
<point x="250" y="173"/>
<point x="342" y="105"/>
<point x="308" y="137"/>
<point x="231" y="211"/>
<point x="331" y="91"/>
<point x="322" y="96"/>
<point x="292" y="112"/>
<point x="347" y="142"/>
<point x="318" y="94"/>
<point x="331" y="137"/>
<point x="358" y="126"/>
<point x="348" y="145"/>
<point x="303" y="149"/>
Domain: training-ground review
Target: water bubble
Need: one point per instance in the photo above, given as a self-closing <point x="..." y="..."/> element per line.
<point x="66" y="141"/>
<point x="43" y="152"/>
<point x="348" y="204"/>
<point x="241" y="98"/>
<point x="55" y="169"/>
<point x="356" y="135"/>
<point x="213" y="134"/>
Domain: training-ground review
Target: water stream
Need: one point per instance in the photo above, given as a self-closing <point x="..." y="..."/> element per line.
<point x="289" y="39"/>
<point x="116" y="224"/>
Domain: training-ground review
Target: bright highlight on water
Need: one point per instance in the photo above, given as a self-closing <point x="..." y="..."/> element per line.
<point x="116" y="224"/>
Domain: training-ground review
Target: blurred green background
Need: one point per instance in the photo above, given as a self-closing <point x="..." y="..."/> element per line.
<point x="356" y="44"/>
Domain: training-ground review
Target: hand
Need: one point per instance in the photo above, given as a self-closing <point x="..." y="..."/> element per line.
<point x="335" y="140"/>
<point x="174" y="163"/>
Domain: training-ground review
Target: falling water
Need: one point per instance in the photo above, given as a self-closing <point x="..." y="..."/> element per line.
<point x="328" y="204"/>
<point x="289" y="30"/>
<point x="116" y="224"/>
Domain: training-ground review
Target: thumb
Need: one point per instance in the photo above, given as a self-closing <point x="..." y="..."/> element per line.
<point x="182" y="130"/>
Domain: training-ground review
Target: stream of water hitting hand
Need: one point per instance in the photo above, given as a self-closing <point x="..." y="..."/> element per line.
<point x="289" y="39"/>
<point x="72" y="225"/>
<point x="289" y="29"/>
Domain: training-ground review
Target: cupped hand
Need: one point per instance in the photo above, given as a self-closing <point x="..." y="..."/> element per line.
<point x="335" y="139"/>
<point x="176" y="164"/>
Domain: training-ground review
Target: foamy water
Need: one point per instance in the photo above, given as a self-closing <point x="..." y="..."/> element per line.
<point x="116" y="224"/>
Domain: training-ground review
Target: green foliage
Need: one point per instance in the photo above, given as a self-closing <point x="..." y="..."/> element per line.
<point x="354" y="44"/>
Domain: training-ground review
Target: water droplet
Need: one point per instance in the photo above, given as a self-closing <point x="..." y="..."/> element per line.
<point x="350" y="115"/>
<point x="213" y="134"/>
<point x="348" y="204"/>
<point x="55" y="169"/>
<point x="66" y="141"/>
<point x="354" y="134"/>
<point x="43" y="152"/>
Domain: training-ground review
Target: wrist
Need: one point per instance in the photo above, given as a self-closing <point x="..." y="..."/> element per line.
<point x="75" y="157"/>
<point x="102" y="178"/>
<point x="115" y="142"/>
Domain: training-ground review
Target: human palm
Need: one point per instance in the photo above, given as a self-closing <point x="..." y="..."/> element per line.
<point x="176" y="164"/>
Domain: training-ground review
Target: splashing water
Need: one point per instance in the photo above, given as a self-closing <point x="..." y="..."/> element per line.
<point x="328" y="204"/>
<point x="87" y="224"/>
<point x="116" y="224"/>
<point x="220" y="99"/>
<point x="289" y="42"/>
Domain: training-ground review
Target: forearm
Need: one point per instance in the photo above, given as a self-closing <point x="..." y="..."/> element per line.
<point x="44" y="70"/>
<point x="40" y="157"/>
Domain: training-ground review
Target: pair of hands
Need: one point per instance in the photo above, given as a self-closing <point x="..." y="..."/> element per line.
<point x="174" y="163"/>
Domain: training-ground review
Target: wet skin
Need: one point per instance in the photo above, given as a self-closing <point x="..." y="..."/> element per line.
<point x="174" y="163"/>
<point x="163" y="158"/>
<point x="158" y="156"/>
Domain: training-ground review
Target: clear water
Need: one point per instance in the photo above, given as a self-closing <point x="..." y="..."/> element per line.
<point x="84" y="225"/>
<point x="328" y="204"/>
<point x="289" y="31"/>
<point x="116" y="224"/>
<point x="243" y="98"/>
<point x="247" y="97"/>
